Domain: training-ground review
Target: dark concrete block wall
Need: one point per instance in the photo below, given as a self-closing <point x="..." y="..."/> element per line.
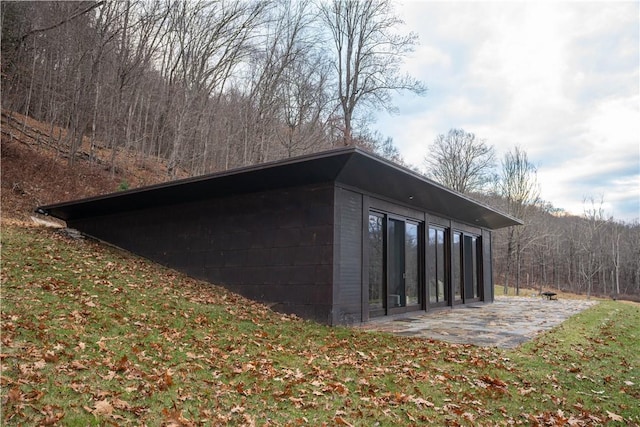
<point x="487" y="267"/>
<point x="274" y="246"/>
<point x="347" y="290"/>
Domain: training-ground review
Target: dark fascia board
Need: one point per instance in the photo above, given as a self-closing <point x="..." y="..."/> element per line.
<point x="349" y="166"/>
<point x="379" y="176"/>
<point x="308" y="169"/>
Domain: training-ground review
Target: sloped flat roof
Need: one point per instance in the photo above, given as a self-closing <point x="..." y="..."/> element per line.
<point x="349" y="166"/>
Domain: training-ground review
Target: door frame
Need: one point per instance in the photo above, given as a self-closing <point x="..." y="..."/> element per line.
<point x="475" y="257"/>
<point x="446" y="262"/>
<point x="386" y="310"/>
<point x="470" y="258"/>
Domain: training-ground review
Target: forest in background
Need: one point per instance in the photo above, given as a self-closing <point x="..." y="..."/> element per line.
<point x="207" y="86"/>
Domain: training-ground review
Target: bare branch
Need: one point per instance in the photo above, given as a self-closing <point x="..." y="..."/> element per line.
<point x="61" y="22"/>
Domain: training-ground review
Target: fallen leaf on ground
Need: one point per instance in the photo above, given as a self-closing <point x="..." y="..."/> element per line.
<point x="614" y="417"/>
<point x="342" y="422"/>
<point x="102" y="407"/>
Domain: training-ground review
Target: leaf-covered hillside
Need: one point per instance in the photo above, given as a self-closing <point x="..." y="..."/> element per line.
<point x="95" y="336"/>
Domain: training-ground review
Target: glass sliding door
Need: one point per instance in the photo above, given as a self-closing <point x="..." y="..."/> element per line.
<point x="438" y="277"/>
<point x="376" y="265"/>
<point x="472" y="281"/>
<point x="454" y="267"/>
<point x="394" y="265"/>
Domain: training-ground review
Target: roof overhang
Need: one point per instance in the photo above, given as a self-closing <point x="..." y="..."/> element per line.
<point x="349" y="166"/>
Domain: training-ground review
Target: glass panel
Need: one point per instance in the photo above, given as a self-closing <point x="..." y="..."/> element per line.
<point x="440" y="266"/>
<point x="432" y="266"/>
<point x="457" y="266"/>
<point x="468" y="267"/>
<point x="438" y="291"/>
<point x="411" y="257"/>
<point x="396" y="297"/>
<point x="376" y="262"/>
<point x="474" y="257"/>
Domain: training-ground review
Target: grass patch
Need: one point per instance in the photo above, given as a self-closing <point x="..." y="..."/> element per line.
<point x="535" y="292"/>
<point x="92" y="335"/>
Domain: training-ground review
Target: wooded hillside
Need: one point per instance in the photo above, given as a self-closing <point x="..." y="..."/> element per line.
<point x="588" y="255"/>
<point x="101" y="96"/>
<point x="204" y="86"/>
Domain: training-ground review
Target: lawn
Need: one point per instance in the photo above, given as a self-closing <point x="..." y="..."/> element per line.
<point x="92" y="335"/>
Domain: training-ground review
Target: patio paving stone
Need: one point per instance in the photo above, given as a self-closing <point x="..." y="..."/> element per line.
<point x="506" y="323"/>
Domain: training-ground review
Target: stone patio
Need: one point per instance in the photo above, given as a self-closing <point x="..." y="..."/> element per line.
<point x="507" y="323"/>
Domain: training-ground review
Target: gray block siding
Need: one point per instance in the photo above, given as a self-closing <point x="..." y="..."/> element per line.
<point x="274" y="246"/>
<point x="347" y="296"/>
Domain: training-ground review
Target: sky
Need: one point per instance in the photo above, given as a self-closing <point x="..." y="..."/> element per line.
<point x="560" y="80"/>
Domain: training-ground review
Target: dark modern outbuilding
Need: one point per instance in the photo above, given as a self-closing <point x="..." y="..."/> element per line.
<point x="341" y="236"/>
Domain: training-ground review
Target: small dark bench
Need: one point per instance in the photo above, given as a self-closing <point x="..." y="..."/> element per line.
<point x="550" y="295"/>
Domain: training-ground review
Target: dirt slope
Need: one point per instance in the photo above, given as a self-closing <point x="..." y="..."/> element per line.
<point x="35" y="168"/>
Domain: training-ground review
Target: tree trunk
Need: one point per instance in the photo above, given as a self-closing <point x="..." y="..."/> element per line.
<point x="518" y="270"/>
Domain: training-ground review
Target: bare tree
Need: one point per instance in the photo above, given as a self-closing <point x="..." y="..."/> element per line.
<point x="460" y="161"/>
<point x="368" y="53"/>
<point x="139" y="40"/>
<point x="377" y="143"/>
<point x="59" y="36"/>
<point x="288" y="83"/>
<point x="631" y="259"/>
<point x="85" y="7"/>
<point x="615" y="255"/>
<point x="591" y="243"/>
<point x="304" y="100"/>
<point x="96" y="36"/>
<point x="519" y="187"/>
<point x="206" y="43"/>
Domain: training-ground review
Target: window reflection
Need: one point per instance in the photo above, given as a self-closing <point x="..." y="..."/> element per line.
<point x="376" y="262"/>
<point x="475" y="272"/>
<point x="412" y="271"/>
<point x="456" y="262"/>
<point x="395" y="273"/>
<point x="437" y="266"/>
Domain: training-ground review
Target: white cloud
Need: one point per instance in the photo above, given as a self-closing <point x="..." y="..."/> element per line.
<point x="559" y="79"/>
<point x="426" y="57"/>
<point x="616" y="121"/>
